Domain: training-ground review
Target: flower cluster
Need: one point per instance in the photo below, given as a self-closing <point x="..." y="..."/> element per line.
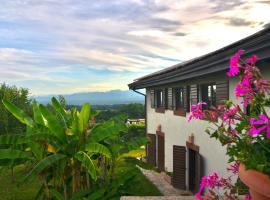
<point x="242" y="132"/>
<point x="259" y="125"/>
<point x="234" y="64"/>
<point x="219" y="187"/>
<point x="196" y="111"/>
<point x="216" y="185"/>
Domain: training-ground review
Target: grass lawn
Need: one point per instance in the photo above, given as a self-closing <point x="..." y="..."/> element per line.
<point x="9" y="190"/>
<point x="137" y="186"/>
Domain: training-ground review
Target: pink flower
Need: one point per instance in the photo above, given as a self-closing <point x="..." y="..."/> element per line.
<point x="229" y="115"/>
<point x="234" y="168"/>
<point x="264" y="121"/>
<point x="244" y="89"/>
<point x="252" y="60"/>
<point x="234" y="66"/>
<point x="196" y="111"/>
<point x="210" y="181"/>
<point x="248" y="197"/>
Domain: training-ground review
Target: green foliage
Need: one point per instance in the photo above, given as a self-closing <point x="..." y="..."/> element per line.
<point x="69" y="152"/>
<point x="132" y="111"/>
<point x="19" y="97"/>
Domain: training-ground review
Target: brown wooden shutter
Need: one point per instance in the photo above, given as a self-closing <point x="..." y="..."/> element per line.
<point x="194" y="96"/>
<point x="222" y="92"/>
<point x="151" y="150"/>
<point x="164" y="97"/>
<point x="170" y="98"/>
<point x="185" y="99"/>
<point x="174" y="98"/>
<point x="188" y="98"/>
<point x="152" y="98"/>
<point x="160" y="152"/>
<point x="179" y="167"/>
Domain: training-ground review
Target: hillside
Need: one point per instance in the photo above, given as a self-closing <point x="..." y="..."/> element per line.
<point x="98" y="98"/>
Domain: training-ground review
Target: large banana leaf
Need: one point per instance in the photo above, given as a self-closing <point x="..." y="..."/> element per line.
<point x="75" y="125"/>
<point x="106" y="130"/>
<point x="98" y="148"/>
<point x="57" y="106"/>
<point x="57" y="195"/>
<point x="36" y="149"/>
<point x="37" y="114"/>
<point x="52" y="123"/>
<point x="87" y="163"/>
<point x="84" y="116"/>
<point x="13" y="139"/>
<point x="14" y="154"/>
<point x="18" y="113"/>
<point x="48" y="161"/>
<point x="137" y="143"/>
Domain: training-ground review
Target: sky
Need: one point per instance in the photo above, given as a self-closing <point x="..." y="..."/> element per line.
<point x="70" y="46"/>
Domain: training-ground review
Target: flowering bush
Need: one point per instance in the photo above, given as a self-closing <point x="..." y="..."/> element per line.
<point x="244" y="129"/>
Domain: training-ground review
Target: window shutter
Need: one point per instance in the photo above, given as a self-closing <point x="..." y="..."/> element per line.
<point x="222" y="92"/>
<point x="173" y="99"/>
<point x="194" y="96"/>
<point x="164" y="98"/>
<point x="170" y="98"/>
<point x="179" y="167"/>
<point x="152" y="98"/>
<point x="185" y="99"/>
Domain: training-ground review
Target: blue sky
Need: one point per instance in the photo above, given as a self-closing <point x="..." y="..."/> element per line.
<point x="68" y="46"/>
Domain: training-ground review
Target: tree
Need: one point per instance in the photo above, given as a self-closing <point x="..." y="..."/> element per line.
<point x="19" y="97"/>
<point x="72" y="156"/>
<point x="133" y="110"/>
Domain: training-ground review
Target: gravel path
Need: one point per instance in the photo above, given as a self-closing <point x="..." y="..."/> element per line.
<point x="164" y="187"/>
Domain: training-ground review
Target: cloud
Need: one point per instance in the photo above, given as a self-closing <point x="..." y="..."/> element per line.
<point x="67" y="46"/>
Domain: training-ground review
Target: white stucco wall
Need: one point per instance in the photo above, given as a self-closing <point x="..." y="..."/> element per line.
<point x="177" y="129"/>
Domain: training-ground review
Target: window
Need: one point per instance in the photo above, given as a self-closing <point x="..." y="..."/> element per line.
<point x="160" y="99"/>
<point x="179" y="98"/>
<point x="208" y="94"/>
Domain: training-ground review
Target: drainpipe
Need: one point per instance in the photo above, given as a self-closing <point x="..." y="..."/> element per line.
<point x="145" y="116"/>
<point x="145" y="107"/>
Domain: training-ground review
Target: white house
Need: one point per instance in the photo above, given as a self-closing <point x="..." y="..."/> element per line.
<point x="169" y="94"/>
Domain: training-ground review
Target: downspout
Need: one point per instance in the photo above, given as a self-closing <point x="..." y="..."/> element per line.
<point x="145" y="107"/>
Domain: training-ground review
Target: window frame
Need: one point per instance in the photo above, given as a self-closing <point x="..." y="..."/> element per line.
<point x="160" y="100"/>
<point x="211" y="99"/>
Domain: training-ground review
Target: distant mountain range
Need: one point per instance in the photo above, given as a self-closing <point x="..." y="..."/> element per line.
<point x="97" y="98"/>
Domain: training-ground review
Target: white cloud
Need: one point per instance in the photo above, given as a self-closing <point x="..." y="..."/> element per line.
<point x="43" y="40"/>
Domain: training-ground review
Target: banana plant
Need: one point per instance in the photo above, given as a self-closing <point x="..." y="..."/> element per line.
<point x="58" y="146"/>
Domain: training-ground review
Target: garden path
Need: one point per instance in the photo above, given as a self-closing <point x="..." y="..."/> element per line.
<point x="164" y="187"/>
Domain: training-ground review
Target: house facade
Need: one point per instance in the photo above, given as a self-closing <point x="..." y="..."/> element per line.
<point x="183" y="147"/>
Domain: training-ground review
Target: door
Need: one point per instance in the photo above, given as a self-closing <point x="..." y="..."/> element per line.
<point x="151" y="150"/>
<point x="194" y="170"/>
<point x="160" y="152"/>
<point x="191" y="170"/>
<point x="179" y="167"/>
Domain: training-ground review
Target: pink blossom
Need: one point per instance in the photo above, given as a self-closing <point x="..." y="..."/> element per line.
<point x="234" y="66"/>
<point x="264" y="121"/>
<point x="244" y="89"/>
<point x="196" y="111"/>
<point x="252" y="60"/>
<point x="229" y="115"/>
<point x="210" y="181"/>
<point x="248" y="197"/>
<point x="234" y="168"/>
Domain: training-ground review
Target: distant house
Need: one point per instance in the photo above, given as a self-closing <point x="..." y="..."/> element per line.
<point x="169" y="94"/>
<point x="136" y="121"/>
